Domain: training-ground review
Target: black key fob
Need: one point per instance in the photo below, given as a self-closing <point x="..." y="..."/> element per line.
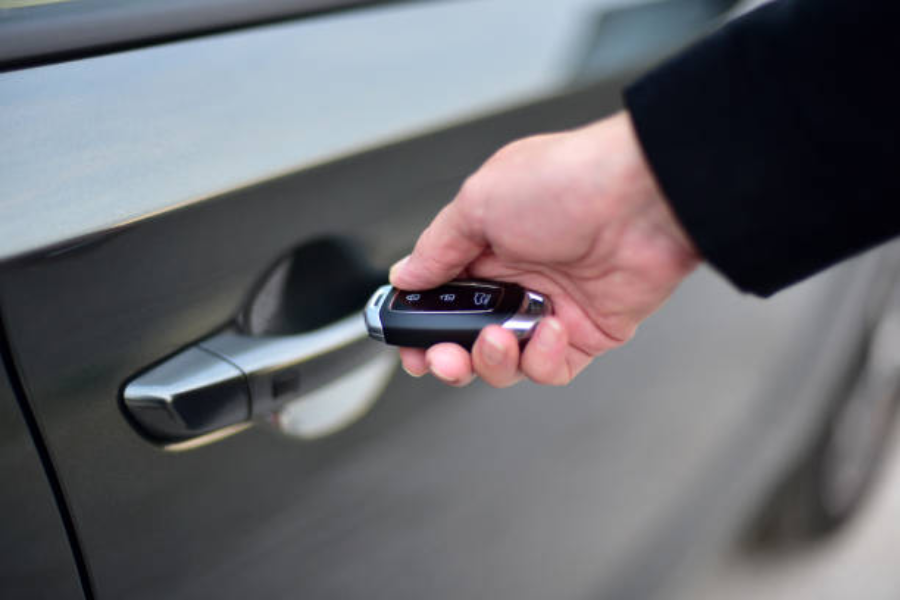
<point x="455" y="312"/>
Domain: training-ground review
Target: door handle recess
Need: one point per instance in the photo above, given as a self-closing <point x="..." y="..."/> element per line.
<point x="227" y="381"/>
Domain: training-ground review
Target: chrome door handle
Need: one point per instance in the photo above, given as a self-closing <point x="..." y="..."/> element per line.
<point x="227" y="381"/>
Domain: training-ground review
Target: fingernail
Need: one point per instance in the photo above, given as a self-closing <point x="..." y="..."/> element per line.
<point x="445" y="379"/>
<point x="550" y="334"/>
<point x="410" y="373"/>
<point x="492" y="350"/>
<point x="398" y="266"/>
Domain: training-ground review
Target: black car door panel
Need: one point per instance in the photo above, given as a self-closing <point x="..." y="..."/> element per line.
<point x="38" y="561"/>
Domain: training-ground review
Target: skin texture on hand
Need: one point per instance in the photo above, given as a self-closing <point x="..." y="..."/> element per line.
<point x="575" y="215"/>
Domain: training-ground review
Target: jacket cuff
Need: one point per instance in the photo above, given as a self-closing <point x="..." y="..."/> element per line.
<point x="708" y="122"/>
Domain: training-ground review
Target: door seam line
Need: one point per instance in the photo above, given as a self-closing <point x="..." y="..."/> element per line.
<point x="43" y="451"/>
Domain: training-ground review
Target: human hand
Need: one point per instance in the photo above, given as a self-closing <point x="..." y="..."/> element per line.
<point x="575" y="215"/>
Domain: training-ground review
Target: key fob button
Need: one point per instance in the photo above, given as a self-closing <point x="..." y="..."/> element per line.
<point x="409" y="301"/>
<point x="448" y="298"/>
<point x="485" y="299"/>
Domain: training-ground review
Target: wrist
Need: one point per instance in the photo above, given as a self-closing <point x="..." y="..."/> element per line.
<point x="641" y="231"/>
<point x="650" y="200"/>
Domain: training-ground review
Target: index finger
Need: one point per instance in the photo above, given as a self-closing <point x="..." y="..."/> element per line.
<point x="444" y="249"/>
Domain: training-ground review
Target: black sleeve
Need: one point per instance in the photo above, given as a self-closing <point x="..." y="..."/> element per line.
<point x="777" y="138"/>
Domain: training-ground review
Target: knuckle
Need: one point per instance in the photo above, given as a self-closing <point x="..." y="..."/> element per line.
<point x="515" y="147"/>
<point x="471" y="193"/>
<point x="505" y="151"/>
<point x="471" y="187"/>
<point x="471" y="201"/>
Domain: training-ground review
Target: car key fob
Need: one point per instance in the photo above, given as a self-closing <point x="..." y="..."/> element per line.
<point x="455" y="312"/>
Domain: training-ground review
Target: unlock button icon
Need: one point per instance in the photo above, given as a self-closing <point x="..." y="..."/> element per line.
<point x="482" y="298"/>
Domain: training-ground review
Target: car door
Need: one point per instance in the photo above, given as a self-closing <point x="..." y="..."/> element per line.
<point x="38" y="560"/>
<point x="257" y="184"/>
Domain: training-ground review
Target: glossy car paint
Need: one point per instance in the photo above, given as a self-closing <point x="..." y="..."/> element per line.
<point x="37" y="559"/>
<point x="92" y="144"/>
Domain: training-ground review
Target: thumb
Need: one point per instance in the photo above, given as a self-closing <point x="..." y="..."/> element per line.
<point x="444" y="249"/>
